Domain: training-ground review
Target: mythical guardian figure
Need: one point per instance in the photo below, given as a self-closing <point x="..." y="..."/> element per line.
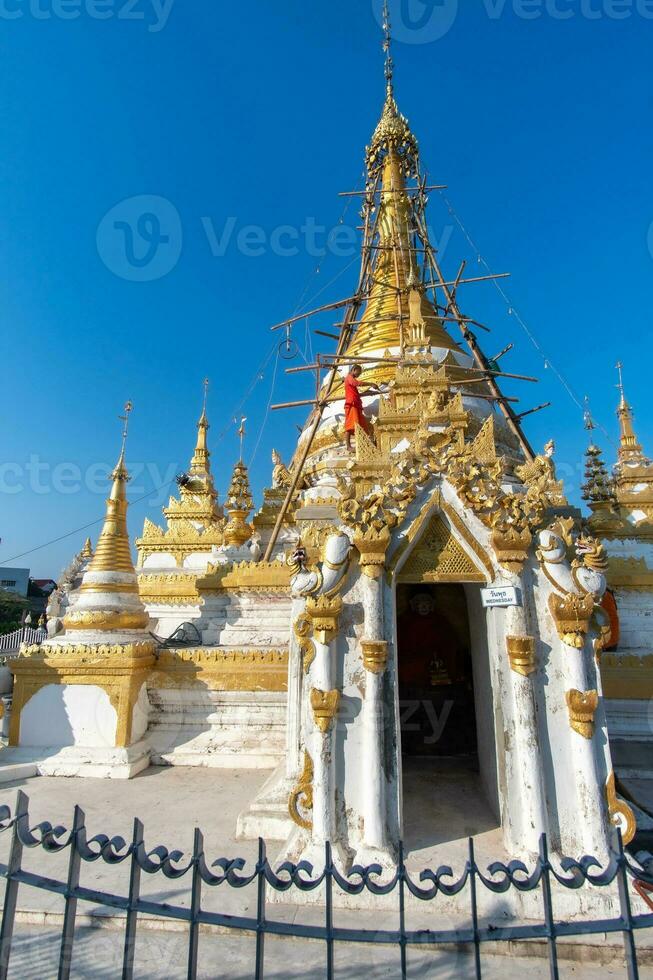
<point x="579" y="583"/>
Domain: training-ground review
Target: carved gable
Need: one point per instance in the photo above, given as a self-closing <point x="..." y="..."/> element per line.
<point x="438" y="557"/>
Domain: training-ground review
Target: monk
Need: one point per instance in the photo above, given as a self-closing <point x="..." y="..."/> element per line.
<point x="354" y="413"/>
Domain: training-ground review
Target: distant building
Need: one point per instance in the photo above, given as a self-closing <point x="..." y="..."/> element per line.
<point x="15" y="580"/>
<point x="40" y="590"/>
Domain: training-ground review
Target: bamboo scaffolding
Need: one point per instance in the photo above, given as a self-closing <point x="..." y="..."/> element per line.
<point x="480" y="358"/>
<point x="356" y="302"/>
<point x="406" y="190"/>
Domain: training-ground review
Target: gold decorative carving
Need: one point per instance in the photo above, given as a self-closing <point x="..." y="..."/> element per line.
<point x="372" y="545"/>
<point x="582" y="707"/>
<point x="630" y="573"/>
<point x="540" y="475"/>
<point x="521" y="651"/>
<point x="324" y="612"/>
<point x="184" y="536"/>
<point x="221" y="670"/>
<point x="572" y="615"/>
<point x="239" y="503"/>
<point x="512" y="516"/>
<point x="303" y="629"/>
<point x="325" y="707"/>
<point x="375" y="655"/>
<point x="120" y="670"/>
<point x="511" y="545"/>
<point x="438" y="557"/>
<point x="171" y="589"/>
<point x="483" y="448"/>
<point x="300" y="801"/>
<point x="105" y="619"/>
<point x="621" y="815"/>
<point x="260" y="576"/>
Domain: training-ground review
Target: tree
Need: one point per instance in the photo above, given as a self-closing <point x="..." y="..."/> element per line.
<point x="12" y="607"/>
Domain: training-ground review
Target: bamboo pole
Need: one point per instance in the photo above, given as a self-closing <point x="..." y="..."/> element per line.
<point x="510" y="417"/>
<point x="355" y="302"/>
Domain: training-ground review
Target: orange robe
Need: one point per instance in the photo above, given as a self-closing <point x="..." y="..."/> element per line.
<point x="354" y="414"/>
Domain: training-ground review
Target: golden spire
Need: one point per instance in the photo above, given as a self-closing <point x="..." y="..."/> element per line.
<point x="394" y="273"/>
<point x="112" y="552"/>
<point x="629" y="449"/>
<point x="394" y="153"/>
<point x="393" y="130"/>
<point x="199" y="464"/>
<point x="87" y="550"/>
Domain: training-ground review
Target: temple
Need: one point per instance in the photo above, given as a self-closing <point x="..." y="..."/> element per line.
<point x="428" y="602"/>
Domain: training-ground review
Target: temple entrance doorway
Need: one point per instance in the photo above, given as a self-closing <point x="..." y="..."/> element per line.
<point x="448" y="781"/>
<point x="436" y="687"/>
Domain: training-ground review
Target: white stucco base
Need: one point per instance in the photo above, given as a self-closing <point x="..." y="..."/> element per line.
<point x="74" y="760"/>
<point x="267" y="815"/>
<point x="68" y="715"/>
<point x="221" y="729"/>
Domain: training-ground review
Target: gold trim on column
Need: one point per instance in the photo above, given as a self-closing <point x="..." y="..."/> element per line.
<point x="582" y="706"/>
<point x="325" y="707"/>
<point x="572" y="615"/>
<point x="375" y="655"/>
<point x="511" y="546"/>
<point x="324" y="612"/>
<point x="621" y="815"/>
<point x="303" y="629"/>
<point x="521" y="652"/>
<point x="302" y="795"/>
<point x="372" y="546"/>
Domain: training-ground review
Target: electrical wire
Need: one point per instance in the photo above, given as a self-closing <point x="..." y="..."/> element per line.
<point x="512" y="311"/>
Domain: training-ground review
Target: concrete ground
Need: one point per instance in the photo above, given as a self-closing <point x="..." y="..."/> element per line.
<point x="162" y="956"/>
<point x="171" y="802"/>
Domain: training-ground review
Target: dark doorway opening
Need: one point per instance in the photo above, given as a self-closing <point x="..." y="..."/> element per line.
<point x="436" y="689"/>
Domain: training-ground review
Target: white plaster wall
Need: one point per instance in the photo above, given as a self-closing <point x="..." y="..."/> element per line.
<point x="140" y="715"/>
<point x="159" y="561"/>
<point x="164" y="620"/>
<point x="69" y="714"/>
<point x="246" y="619"/>
<point x="227" y="729"/>
<point x="635" y="620"/>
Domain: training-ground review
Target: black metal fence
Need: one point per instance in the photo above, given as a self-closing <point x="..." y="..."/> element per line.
<point x="499" y="879"/>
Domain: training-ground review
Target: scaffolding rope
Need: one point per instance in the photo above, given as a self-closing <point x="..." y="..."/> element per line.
<point x="512" y="311"/>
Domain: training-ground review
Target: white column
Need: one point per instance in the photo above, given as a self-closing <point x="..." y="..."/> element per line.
<point x="587" y="768"/>
<point x="324" y="701"/>
<point x="526" y="805"/>
<point x="295" y="677"/>
<point x="375" y="656"/>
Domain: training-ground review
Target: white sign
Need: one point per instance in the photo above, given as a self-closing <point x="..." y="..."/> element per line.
<point x="501" y="596"/>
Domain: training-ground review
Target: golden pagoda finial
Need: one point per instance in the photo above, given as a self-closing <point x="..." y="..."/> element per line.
<point x="112" y="552"/>
<point x="238" y="503"/>
<point x="629" y="448"/>
<point x="87" y="550"/>
<point x="393" y="131"/>
<point x="200" y="462"/>
<point x="387" y="47"/>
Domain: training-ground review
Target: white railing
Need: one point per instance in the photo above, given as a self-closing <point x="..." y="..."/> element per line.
<point x="10" y="642"/>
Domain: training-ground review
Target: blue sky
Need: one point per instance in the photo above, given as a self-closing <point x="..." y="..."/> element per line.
<point x="257" y="114"/>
